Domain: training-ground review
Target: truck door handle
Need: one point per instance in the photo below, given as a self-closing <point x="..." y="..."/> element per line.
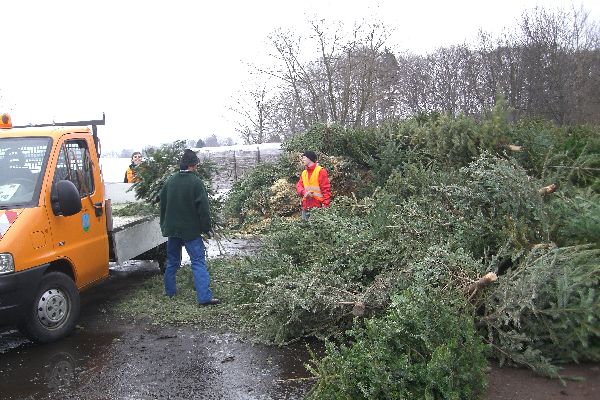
<point x="98" y="209"/>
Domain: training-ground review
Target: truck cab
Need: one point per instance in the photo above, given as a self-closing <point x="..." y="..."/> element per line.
<point x="53" y="225"/>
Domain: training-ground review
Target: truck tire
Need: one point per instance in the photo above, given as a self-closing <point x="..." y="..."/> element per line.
<point x="54" y="311"/>
<point x="161" y="257"/>
<point x="158" y="254"/>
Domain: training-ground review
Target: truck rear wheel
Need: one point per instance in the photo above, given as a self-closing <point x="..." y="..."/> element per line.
<point x="161" y="257"/>
<point x="54" y="311"/>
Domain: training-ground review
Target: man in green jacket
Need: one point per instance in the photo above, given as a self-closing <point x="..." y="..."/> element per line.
<point x="184" y="216"/>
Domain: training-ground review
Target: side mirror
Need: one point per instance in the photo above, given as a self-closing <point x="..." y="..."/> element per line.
<point x="68" y="200"/>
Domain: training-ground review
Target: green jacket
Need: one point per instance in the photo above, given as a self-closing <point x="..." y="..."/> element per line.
<point x="184" y="211"/>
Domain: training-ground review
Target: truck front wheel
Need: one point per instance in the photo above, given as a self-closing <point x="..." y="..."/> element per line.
<point x="54" y="311"/>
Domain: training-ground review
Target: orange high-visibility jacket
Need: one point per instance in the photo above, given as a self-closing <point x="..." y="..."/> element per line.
<point x="316" y="180"/>
<point x="130" y="176"/>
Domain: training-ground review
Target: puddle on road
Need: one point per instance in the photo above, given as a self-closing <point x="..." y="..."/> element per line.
<point x="33" y="371"/>
<point x="146" y="362"/>
<point x="110" y="358"/>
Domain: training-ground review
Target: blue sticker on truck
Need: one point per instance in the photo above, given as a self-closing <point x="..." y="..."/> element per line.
<point x="85" y="222"/>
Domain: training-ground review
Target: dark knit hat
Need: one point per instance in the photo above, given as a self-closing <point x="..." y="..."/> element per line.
<point x="311" y="155"/>
<point x="188" y="158"/>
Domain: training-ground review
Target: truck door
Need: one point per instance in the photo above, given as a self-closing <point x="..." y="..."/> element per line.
<point x="80" y="238"/>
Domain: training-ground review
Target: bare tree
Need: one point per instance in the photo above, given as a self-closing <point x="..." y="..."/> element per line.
<point x="351" y="82"/>
<point x="254" y="108"/>
<point x="549" y="66"/>
<point x="228" y="141"/>
<point x="211" y="141"/>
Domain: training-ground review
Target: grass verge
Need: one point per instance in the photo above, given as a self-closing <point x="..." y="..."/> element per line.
<point x="148" y="301"/>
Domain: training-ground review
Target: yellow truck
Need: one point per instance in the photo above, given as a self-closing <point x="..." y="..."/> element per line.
<point x="56" y="229"/>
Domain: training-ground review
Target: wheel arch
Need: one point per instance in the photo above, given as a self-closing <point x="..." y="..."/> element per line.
<point x="61" y="265"/>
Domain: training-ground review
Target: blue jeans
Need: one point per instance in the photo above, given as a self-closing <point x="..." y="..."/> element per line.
<point x="195" y="249"/>
<point x="305" y="214"/>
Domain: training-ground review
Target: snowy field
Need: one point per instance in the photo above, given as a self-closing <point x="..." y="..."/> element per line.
<point x="264" y="147"/>
<point x="114" y="169"/>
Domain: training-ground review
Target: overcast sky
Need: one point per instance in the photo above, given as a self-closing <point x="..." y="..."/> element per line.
<point x="166" y="70"/>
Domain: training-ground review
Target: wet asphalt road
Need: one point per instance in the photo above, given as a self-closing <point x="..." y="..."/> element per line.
<point x="112" y="358"/>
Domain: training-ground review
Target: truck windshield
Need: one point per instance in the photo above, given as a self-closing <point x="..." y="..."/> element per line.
<point x="22" y="164"/>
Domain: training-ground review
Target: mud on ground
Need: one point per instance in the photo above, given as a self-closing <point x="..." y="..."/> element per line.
<point x="115" y="357"/>
<point x="112" y="357"/>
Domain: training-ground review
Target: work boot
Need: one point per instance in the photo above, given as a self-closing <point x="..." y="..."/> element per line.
<point x="212" y="302"/>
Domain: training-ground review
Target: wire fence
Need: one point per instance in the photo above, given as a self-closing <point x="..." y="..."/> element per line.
<point x="232" y="165"/>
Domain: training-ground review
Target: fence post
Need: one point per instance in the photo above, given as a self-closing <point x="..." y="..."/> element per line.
<point x="235" y="177"/>
<point x="257" y="155"/>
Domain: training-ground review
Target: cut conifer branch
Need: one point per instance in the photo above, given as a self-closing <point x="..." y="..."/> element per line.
<point x="484" y="281"/>
<point x="551" y="188"/>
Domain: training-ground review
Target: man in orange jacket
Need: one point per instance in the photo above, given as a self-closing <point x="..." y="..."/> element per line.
<point x="313" y="186"/>
<point x="130" y="176"/>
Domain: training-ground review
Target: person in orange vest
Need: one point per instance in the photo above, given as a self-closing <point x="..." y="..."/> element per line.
<point x="313" y="186"/>
<point x="136" y="159"/>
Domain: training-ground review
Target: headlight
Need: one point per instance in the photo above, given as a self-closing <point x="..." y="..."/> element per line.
<point x="7" y="263"/>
